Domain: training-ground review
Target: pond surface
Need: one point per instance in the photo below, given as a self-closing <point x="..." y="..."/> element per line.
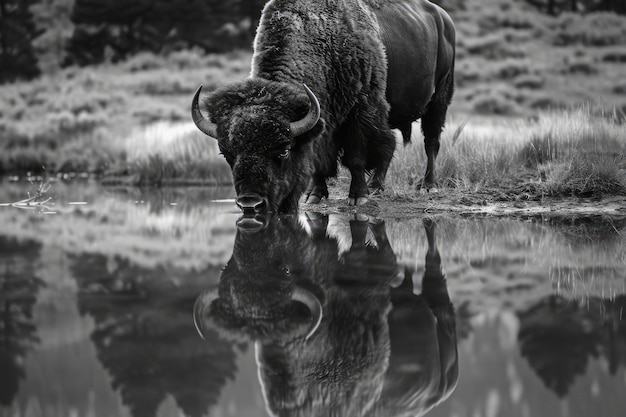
<point x="103" y="300"/>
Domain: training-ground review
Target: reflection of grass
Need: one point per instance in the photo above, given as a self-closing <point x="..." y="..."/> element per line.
<point x="578" y="152"/>
<point x="177" y="228"/>
<point x="495" y="263"/>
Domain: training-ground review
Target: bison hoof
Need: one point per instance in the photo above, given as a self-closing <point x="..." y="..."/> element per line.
<point x="358" y="201"/>
<point x="359" y="217"/>
<point x="313" y="199"/>
<point x="433" y="189"/>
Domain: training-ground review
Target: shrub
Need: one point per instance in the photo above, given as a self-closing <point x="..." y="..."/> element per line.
<point x="143" y="61"/>
<point x="580" y="66"/>
<point x="529" y="81"/>
<point x="595" y="29"/>
<point x="510" y="68"/>
<point x="615" y="55"/>
<point x="620" y="89"/>
<point x="579" y="152"/>
<point x="495" y="103"/>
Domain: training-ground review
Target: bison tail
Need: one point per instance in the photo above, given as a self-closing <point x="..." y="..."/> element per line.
<point x="406" y="133"/>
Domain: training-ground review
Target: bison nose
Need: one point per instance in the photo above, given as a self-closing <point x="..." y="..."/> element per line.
<point x="252" y="223"/>
<point x="251" y="203"/>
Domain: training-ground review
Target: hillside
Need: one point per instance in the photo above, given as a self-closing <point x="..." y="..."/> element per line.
<point x="513" y="60"/>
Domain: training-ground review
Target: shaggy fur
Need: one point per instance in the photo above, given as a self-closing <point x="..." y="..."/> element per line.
<point x="340" y="49"/>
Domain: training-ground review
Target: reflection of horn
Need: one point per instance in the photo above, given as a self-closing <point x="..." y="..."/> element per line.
<point x="309" y="299"/>
<point x="205" y="125"/>
<point x="203" y="302"/>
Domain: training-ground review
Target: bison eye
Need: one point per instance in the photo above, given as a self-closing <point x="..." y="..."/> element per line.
<point x="284" y="154"/>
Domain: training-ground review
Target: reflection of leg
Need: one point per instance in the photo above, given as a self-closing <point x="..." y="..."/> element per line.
<point x="434" y="287"/>
<point x="380" y="234"/>
<point x="403" y="281"/>
<point x="318" y="224"/>
<point x="435" y="291"/>
<point x="358" y="231"/>
<point x="393" y="273"/>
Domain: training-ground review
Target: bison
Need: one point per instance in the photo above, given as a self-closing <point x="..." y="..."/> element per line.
<point x="335" y="334"/>
<point x="329" y="82"/>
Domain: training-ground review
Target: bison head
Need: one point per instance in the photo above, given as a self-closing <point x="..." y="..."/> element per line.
<point x="264" y="131"/>
<point x="321" y="346"/>
<point x="265" y="290"/>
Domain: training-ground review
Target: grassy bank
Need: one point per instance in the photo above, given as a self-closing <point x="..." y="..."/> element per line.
<point x="114" y="119"/>
<point x="521" y="78"/>
<point x="578" y="152"/>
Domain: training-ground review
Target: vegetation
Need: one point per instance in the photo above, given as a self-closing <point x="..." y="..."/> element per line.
<point x="543" y="94"/>
<point x="578" y="152"/>
<point x="17" y="31"/>
<point x="112" y="118"/>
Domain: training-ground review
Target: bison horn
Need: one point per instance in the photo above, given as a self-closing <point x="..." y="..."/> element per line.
<point x="310" y="120"/>
<point x="205" y="125"/>
<point x="309" y="299"/>
<point x="203" y="302"/>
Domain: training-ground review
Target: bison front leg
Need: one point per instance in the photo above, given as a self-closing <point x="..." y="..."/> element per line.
<point x="354" y="159"/>
<point x="316" y="190"/>
<point x="358" y="194"/>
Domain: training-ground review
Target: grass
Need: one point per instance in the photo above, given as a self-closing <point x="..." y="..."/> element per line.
<point x="76" y="120"/>
<point x="129" y="122"/>
<point x="166" y="152"/>
<point x="577" y="152"/>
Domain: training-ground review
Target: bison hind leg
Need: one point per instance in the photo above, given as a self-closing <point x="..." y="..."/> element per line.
<point x="432" y="125"/>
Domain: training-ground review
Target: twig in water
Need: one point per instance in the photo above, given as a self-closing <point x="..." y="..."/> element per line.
<point x="36" y="201"/>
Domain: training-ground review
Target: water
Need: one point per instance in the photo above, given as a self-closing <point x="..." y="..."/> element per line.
<point x="449" y="316"/>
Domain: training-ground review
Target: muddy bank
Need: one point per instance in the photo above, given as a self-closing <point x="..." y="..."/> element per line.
<point x="485" y="202"/>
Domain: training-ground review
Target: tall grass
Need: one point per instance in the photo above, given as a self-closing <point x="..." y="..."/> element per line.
<point x="578" y="152"/>
<point x="67" y="121"/>
<point x="575" y="152"/>
<point x="167" y="152"/>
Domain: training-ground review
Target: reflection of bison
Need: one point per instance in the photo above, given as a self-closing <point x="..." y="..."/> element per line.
<point x="336" y="335"/>
<point x="372" y="65"/>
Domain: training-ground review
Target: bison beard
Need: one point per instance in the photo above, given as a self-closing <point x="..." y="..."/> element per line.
<point x="359" y="342"/>
<point x="371" y="65"/>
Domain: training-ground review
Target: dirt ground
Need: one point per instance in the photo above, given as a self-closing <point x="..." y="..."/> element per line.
<point x="484" y="202"/>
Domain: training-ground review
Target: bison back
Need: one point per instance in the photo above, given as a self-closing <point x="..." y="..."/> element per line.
<point x="419" y="41"/>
